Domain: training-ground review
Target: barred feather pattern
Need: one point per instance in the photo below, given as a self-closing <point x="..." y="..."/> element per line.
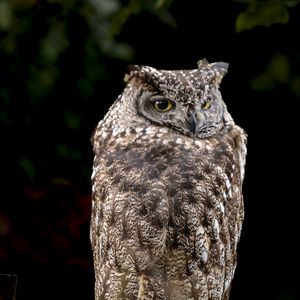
<point x="167" y="207"/>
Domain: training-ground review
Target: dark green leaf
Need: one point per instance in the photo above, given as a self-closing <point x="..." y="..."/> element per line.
<point x="262" y="14"/>
<point x="28" y="167"/>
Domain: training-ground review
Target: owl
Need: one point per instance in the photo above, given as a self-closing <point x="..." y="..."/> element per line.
<point x="167" y="207"/>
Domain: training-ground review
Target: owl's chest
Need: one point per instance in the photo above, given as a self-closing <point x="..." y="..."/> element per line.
<point x="157" y="156"/>
<point x="185" y="172"/>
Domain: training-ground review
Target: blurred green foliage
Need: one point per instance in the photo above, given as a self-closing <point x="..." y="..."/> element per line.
<point x="280" y="71"/>
<point x="277" y="72"/>
<point x="103" y="20"/>
<point x="264" y="13"/>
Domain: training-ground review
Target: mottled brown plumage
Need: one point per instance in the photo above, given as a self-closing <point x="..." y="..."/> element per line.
<point x="167" y="188"/>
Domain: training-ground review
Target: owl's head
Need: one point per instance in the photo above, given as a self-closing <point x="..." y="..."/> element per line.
<point x="188" y="101"/>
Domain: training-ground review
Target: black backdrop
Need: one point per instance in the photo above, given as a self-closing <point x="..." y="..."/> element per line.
<point x="45" y="215"/>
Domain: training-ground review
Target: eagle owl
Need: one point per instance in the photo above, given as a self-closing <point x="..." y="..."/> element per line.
<point x="167" y="205"/>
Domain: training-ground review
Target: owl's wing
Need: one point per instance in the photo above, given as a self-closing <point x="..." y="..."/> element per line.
<point x="129" y="217"/>
<point x="205" y="214"/>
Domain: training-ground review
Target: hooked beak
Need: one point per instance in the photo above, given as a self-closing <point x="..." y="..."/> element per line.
<point x="194" y="121"/>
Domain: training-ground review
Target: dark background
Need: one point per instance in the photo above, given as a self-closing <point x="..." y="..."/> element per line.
<point x="61" y="67"/>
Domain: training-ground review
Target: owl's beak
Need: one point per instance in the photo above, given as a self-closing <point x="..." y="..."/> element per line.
<point x="195" y="121"/>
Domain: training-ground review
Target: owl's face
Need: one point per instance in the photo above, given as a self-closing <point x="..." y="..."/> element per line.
<point x="188" y="101"/>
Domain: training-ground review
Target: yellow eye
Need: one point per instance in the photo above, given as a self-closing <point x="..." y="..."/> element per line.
<point x="206" y="104"/>
<point x="163" y="105"/>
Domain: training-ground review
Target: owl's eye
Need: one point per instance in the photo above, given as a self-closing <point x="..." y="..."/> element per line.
<point x="206" y="104"/>
<point x="163" y="105"/>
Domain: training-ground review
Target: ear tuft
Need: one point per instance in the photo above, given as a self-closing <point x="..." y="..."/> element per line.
<point x="202" y="63"/>
<point x="131" y="71"/>
<point x="215" y="71"/>
<point x="220" y="71"/>
<point x="221" y="67"/>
